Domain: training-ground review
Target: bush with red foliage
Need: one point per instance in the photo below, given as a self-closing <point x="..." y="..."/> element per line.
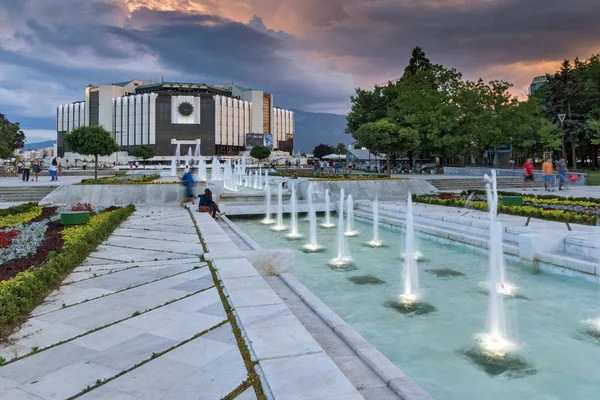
<point x="82" y="207"/>
<point x="6" y="238"/>
<point x="447" y="196"/>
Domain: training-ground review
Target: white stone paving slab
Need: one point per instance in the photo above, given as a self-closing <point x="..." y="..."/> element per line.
<point x="190" y="230"/>
<point x="288" y="378"/>
<point x="108" y="337"/>
<point x="235" y="268"/>
<point x="155" y="245"/>
<point x="196" y="302"/>
<point x="157" y="235"/>
<point x="105" y="393"/>
<point x="199" y="352"/>
<point x="155" y="318"/>
<point x="69" y="380"/>
<point x="213" y="381"/>
<point x="123" y="254"/>
<point x="6" y="385"/>
<point x="151" y="380"/>
<point x="42" y="334"/>
<point x="184" y="328"/>
<point x="100" y="317"/>
<point x="18" y="394"/>
<point x="68" y="295"/>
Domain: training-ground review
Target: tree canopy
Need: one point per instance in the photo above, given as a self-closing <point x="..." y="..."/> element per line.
<point x="260" y="152"/>
<point x="91" y="140"/>
<point x="440" y="114"/>
<point x="11" y="137"/>
<point x="386" y="137"/>
<point x="144" y="152"/>
<point x="323" y="150"/>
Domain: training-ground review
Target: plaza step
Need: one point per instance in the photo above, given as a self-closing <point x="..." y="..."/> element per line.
<point x="476" y="183"/>
<point x="25" y="193"/>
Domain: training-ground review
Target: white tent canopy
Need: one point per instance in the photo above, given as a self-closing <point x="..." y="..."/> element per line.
<point x="335" y="157"/>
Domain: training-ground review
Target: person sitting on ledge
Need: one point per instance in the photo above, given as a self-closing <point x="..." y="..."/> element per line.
<point x="206" y="201"/>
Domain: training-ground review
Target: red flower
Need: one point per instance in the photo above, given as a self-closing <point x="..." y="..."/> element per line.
<point x="82" y="207"/>
<point x="6" y="238"/>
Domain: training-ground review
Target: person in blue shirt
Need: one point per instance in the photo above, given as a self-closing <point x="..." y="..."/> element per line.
<point x="189" y="183"/>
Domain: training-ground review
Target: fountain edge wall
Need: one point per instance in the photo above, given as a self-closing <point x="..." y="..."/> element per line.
<point x="364" y="189"/>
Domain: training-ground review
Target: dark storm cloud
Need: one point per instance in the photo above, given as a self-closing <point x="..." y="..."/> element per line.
<point x="471" y="35"/>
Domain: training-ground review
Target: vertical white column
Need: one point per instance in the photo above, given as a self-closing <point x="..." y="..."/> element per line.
<point x="218" y="112"/>
<point x="229" y="121"/>
<point x="152" y="132"/>
<point x="118" y="121"/>
<point x="236" y="123"/>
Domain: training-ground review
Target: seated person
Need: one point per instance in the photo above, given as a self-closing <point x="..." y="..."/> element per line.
<point x="206" y="200"/>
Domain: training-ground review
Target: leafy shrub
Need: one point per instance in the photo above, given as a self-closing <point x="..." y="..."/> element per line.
<point x="82" y="207"/>
<point x="20" y="218"/>
<point x="20" y="294"/>
<point x="17" y="209"/>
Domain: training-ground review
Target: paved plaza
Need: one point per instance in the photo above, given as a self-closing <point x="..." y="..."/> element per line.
<point x="143" y="318"/>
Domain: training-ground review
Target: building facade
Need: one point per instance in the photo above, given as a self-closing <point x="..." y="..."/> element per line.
<point x="162" y="114"/>
<point x="536" y="83"/>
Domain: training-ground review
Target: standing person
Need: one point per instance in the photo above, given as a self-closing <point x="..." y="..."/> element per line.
<point x="19" y="170"/>
<point x="547" y="171"/>
<point x="26" y="170"/>
<point x="188" y="182"/>
<point x="35" y="170"/>
<point x="528" y="174"/>
<point x="337" y="167"/>
<point x="53" y="169"/>
<point x="59" y="170"/>
<point x="561" y="167"/>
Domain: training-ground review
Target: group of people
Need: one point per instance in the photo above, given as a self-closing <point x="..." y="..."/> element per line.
<point x="330" y="166"/>
<point x="30" y="170"/>
<point x="205" y="200"/>
<point x="548" y="172"/>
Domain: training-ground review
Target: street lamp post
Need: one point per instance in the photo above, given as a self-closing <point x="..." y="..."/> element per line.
<point x="561" y="118"/>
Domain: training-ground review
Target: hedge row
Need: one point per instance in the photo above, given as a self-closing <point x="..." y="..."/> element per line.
<point x="121" y="180"/>
<point x="594" y="200"/>
<point x="523" y="211"/>
<point x="19" y="295"/>
<point x="14" y="210"/>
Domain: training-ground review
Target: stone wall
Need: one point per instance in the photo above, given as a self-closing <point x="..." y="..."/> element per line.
<point x="517" y="172"/>
<point x="110" y="195"/>
<point x="364" y="190"/>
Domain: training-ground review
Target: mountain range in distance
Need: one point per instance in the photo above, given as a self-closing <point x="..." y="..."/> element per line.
<point x="312" y="129"/>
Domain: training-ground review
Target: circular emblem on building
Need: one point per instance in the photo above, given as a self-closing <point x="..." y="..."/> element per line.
<point x="185" y="109"/>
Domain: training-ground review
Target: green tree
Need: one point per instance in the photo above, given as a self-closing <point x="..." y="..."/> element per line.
<point x="260" y="152"/>
<point x="322" y="150"/>
<point x="144" y="152"/>
<point x="91" y="140"/>
<point x="11" y="137"/>
<point x="340" y="148"/>
<point x="386" y="137"/>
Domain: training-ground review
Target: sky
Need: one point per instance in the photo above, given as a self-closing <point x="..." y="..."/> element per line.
<point x="311" y="54"/>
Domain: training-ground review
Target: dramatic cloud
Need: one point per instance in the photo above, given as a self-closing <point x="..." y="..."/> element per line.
<point x="309" y="53"/>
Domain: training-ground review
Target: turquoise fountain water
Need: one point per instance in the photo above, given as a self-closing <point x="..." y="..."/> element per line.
<point x="553" y="324"/>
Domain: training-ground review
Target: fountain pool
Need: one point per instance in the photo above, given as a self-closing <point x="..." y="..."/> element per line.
<point x="548" y="325"/>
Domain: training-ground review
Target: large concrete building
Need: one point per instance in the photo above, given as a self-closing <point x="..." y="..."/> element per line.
<point x="225" y="118"/>
<point x="537" y="82"/>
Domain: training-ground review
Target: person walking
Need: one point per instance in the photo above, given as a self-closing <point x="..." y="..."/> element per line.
<point x="528" y="174"/>
<point x="561" y="167"/>
<point x="35" y="170"/>
<point x="188" y="182"/>
<point x="53" y="169"/>
<point x="26" y="170"/>
<point x="548" y="177"/>
<point x="336" y="165"/>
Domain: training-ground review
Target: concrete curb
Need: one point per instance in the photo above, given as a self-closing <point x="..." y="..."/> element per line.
<point x="393" y="376"/>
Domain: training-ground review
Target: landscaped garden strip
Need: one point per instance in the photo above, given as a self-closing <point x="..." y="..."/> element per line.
<point x="20" y="218"/>
<point x="559" y="210"/>
<point x="121" y="180"/>
<point x="17" y="209"/>
<point x="20" y="294"/>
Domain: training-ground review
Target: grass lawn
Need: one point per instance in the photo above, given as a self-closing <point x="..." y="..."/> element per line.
<point x="593" y="178"/>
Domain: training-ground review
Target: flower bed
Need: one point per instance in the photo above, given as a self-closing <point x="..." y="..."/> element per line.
<point x="553" y="208"/>
<point x="6" y="238"/>
<point x="45" y="259"/>
<point x="121" y="180"/>
<point x="20" y="218"/>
